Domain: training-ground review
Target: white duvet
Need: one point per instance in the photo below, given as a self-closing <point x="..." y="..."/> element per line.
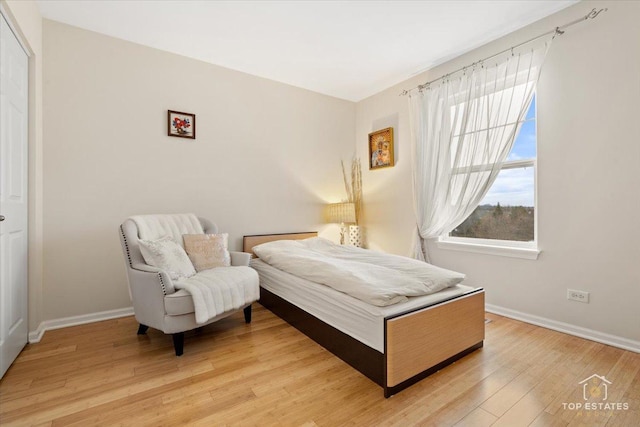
<point x="374" y="277"/>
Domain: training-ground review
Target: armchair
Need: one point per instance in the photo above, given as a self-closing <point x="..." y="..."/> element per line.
<point x="156" y="301"/>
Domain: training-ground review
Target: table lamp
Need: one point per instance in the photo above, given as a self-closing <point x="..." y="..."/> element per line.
<point x="341" y="213"/>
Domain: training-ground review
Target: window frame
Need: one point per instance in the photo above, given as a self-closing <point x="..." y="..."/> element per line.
<point x="508" y="248"/>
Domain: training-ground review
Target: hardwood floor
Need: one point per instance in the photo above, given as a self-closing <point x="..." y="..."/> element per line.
<point x="268" y="373"/>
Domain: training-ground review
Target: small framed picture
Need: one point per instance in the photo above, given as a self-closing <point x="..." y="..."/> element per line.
<point x="182" y="125"/>
<point x="381" y="149"/>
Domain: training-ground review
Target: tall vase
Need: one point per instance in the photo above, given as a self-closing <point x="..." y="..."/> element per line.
<point x="355" y="237"/>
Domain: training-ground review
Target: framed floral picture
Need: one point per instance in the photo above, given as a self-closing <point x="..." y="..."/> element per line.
<point x="182" y="125"/>
<point x="381" y="149"/>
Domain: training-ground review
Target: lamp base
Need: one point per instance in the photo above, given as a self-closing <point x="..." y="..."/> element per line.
<point x="355" y="237"/>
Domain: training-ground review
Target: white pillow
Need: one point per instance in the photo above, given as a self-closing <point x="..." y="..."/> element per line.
<point x="263" y="250"/>
<point x="207" y="250"/>
<point x="167" y="255"/>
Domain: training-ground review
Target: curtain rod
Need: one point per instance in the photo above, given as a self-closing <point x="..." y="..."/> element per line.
<point x="556" y="32"/>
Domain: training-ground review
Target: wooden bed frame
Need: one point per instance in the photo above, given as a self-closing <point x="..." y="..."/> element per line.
<point x="417" y="343"/>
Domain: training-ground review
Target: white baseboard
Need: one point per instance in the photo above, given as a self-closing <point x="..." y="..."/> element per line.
<point x="578" y="331"/>
<point x="49" y="325"/>
<point x="590" y="334"/>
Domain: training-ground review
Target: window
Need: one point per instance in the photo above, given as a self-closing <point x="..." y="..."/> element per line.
<point x="506" y="216"/>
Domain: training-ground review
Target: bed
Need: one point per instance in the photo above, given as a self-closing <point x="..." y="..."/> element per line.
<point x="394" y="346"/>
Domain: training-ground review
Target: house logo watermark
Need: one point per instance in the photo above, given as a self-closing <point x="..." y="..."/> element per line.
<point x="595" y="394"/>
<point x="595" y="386"/>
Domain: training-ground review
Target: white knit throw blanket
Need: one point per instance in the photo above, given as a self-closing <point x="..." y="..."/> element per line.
<point x="221" y="289"/>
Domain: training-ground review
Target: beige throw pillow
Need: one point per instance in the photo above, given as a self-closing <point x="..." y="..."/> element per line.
<point x="207" y="250"/>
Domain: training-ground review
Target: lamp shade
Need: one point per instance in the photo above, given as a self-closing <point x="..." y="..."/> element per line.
<point x="341" y="213"/>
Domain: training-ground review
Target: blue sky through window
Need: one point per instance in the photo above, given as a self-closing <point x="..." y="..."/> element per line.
<point x="515" y="187"/>
<point x="525" y="145"/>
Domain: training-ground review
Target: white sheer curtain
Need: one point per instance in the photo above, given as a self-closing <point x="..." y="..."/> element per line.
<point x="462" y="130"/>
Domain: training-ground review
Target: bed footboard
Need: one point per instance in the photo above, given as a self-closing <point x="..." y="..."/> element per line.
<point x="421" y="342"/>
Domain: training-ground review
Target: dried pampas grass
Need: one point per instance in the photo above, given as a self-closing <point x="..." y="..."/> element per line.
<point x="354" y="186"/>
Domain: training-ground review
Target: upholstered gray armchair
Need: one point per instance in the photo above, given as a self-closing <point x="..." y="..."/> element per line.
<point x="156" y="301"/>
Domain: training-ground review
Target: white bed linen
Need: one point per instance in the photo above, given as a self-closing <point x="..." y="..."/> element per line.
<point x="373" y="277"/>
<point x="362" y="321"/>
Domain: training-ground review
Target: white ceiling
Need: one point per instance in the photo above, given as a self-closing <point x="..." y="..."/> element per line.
<point x="347" y="49"/>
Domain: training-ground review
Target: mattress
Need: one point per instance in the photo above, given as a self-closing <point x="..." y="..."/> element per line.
<point x="362" y="321"/>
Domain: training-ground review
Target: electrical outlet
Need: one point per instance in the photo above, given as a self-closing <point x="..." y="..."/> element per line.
<point x="580" y="296"/>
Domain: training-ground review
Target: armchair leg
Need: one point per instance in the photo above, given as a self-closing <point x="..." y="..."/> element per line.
<point x="178" y="343"/>
<point x="247" y="314"/>
<point x="142" y="329"/>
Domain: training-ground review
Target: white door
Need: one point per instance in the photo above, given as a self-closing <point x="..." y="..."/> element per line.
<point x="13" y="196"/>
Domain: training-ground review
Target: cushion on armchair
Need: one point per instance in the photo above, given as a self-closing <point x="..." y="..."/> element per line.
<point x="207" y="250"/>
<point x="167" y="255"/>
<point x="179" y="303"/>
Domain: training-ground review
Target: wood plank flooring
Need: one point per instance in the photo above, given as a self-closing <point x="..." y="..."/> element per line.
<point x="268" y="373"/>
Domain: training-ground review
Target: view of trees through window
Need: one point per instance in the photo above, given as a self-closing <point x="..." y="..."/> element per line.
<point x="507" y="211"/>
<point x="499" y="222"/>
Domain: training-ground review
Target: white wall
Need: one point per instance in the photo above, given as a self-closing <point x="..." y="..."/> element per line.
<point x="25" y="18"/>
<point x="266" y="158"/>
<point x="588" y="179"/>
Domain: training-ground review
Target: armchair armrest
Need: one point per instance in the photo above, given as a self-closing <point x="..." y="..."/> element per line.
<point x="240" y="258"/>
<point x="148" y="294"/>
<point x="146" y="267"/>
<point x="156" y="275"/>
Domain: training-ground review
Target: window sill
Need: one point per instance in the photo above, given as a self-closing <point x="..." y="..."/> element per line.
<point x="506" y="251"/>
